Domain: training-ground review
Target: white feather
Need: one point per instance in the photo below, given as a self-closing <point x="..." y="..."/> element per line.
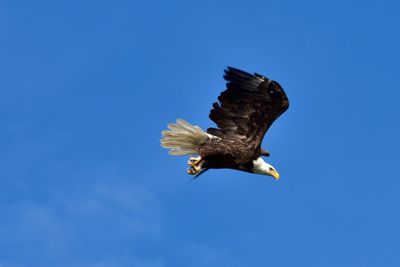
<point x="183" y="138"/>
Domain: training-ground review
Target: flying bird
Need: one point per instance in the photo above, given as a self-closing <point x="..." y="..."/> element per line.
<point x="243" y="114"/>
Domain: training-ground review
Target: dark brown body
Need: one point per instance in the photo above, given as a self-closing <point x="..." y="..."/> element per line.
<point x="219" y="153"/>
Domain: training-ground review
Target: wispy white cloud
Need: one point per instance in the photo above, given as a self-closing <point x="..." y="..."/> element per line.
<point x="197" y="254"/>
<point x="131" y="208"/>
<point x="30" y="230"/>
<point x="2" y="264"/>
<point x="133" y="262"/>
<point x="87" y="226"/>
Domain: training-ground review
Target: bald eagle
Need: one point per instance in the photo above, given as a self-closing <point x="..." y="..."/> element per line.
<point x="243" y="114"/>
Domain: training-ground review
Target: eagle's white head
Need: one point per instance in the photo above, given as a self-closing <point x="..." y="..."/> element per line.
<point x="261" y="167"/>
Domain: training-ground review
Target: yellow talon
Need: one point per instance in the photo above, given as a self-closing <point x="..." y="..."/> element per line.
<point x="194" y="165"/>
<point x="193" y="171"/>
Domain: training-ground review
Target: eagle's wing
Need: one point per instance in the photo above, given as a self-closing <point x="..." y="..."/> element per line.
<point x="247" y="108"/>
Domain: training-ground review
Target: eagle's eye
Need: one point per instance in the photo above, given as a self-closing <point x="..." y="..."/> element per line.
<point x="271" y="169"/>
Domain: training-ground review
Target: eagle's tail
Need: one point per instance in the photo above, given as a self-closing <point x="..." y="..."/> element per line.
<point x="183" y="138"/>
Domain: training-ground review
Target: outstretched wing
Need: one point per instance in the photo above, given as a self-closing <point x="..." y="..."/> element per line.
<point x="247" y="108"/>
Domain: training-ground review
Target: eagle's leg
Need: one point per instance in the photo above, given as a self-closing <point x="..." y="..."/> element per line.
<point x="194" y="165"/>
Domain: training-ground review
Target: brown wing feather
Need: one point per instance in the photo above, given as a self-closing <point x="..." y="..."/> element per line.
<point x="248" y="107"/>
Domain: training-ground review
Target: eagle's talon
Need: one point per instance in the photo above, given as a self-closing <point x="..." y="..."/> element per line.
<point x="194" y="165"/>
<point x="193" y="169"/>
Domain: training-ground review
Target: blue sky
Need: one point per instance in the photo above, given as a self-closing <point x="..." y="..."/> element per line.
<point x="87" y="87"/>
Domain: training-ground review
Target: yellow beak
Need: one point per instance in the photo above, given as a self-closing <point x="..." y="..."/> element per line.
<point x="275" y="174"/>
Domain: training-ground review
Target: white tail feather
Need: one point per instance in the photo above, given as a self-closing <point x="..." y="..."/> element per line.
<point x="183" y="138"/>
